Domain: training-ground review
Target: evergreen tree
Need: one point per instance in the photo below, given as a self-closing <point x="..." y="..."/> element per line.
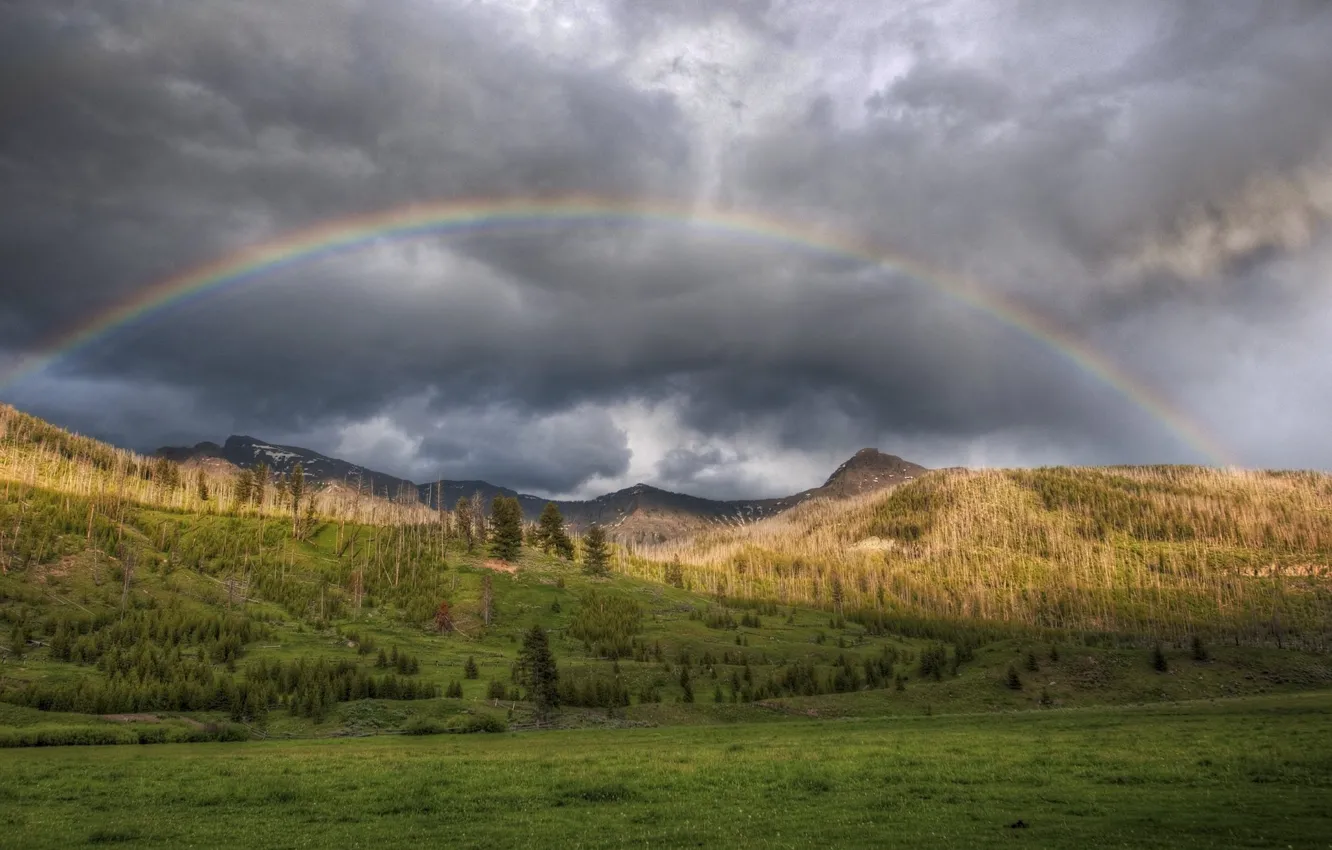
<point x="470" y="670"/>
<point x="454" y="690"/>
<point x="1012" y="679"/>
<point x="1031" y="662"/>
<point x="260" y="484"/>
<point x="201" y="483"/>
<point x="1200" y="652"/>
<point x="244" y="487"/>
<point x="1159" y="663"/>
<point x="296" y="492"/>
<point x="686" y="685"/>
<point x="675" y="573"/>
<point x="551" y="535"/>
<point x="537" y="670"/>
<point x="1054" y="653"/>
<point x="506" y="515"/>
<point x="596" y="559"/>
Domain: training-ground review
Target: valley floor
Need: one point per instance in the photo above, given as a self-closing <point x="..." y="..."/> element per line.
<point x="1245" y="772"/>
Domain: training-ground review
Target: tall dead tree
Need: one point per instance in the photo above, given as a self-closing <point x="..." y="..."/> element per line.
<point x="487" y="598"/>
<point x="128" y="576"/>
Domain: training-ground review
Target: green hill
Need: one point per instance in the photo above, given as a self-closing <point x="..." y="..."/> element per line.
<point x="134" y="608"/>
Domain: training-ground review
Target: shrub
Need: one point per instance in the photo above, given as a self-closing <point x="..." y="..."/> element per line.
<point x="1159" y="663"/>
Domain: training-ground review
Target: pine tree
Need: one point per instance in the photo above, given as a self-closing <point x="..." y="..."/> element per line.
<point x="551" y="535"/>
<point x="537" y="670"/>
<point x="675" y="573"/>
<point x="260" y="484"/>
<point x="470" y="670"/>
<point x="1054" y="652"/>
<point x="506" y="515"/>
<point x="244" y="487"/>
<point x="1200" y="652"/>
<point x="686" y="685"/>
<point x="596" y="560"/>
<point x="201" y="484"/>
<point x="296" y="491"/>
<point x="1012" y="679"/>
<point x="1159" y="663"/>
<point x="1031" y="662"/>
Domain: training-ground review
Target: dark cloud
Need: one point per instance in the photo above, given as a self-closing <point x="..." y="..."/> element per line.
<point x="1156" y="178"/>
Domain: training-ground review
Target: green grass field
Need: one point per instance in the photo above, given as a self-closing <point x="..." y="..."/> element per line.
<point x="1247" y="772"/>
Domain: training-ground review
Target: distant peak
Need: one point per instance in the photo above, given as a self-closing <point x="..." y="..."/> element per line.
<point x="870" y="469"/>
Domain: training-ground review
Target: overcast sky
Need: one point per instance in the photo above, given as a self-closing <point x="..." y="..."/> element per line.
<point x="1154" y="177"/>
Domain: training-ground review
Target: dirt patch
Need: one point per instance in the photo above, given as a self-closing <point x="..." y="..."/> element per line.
<point x="133" y="718"/>
<point x="45" y="572"/>
<point x="500" y="566"/>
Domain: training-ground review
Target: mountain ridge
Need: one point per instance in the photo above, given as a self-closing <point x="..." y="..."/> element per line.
<point x="639" y="513"/>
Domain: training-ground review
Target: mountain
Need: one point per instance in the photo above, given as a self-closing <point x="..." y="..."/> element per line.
<point x="866" y="471"/>
<point x="249" y="452"/>
<point x="641" y="513"/>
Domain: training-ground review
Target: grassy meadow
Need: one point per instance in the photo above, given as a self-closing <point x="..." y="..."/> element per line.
<point x="1251" y="772"/>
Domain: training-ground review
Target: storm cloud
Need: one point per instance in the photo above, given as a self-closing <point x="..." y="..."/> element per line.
<point x="1153" y="178"/>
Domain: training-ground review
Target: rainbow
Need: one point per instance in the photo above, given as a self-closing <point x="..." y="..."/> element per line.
<point x="415" y="220"/>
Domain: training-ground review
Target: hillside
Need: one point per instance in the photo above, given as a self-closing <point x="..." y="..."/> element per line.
<point x="1157" y="550"/>
<point x="637" y="515"/>
<point x="135" y="610"/>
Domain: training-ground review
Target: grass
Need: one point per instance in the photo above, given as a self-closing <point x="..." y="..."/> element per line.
<point x="1250" y="772"/>
<point x="1170" y="551"/>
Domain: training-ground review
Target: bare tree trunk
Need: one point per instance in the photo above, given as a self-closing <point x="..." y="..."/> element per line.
<point x="125" y="586"/>
<point x="487" y="598"/>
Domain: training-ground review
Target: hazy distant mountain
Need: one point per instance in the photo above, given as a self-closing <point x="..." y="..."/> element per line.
<point x="640" y="513"/>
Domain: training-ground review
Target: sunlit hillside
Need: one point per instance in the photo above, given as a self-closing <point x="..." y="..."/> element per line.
<point x="1148" y="550"/>
<point x="35" y="453"/>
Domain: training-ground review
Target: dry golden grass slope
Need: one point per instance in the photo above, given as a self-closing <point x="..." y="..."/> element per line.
<point x="1146" y="550"/>
<point x="37" y="454"/>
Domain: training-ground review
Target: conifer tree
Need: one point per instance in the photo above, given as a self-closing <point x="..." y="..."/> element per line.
<point x="675" y="573"/>
<point x="296" y="492"/>
<point x="686" y="685"/>
<point x="1200" y="652"/>
<point x="470" y="670"/>
<point x="507" y="537"/>
<point x="244" y="487"/>
<point x="596" y="560"/>
<point x="260" y="484"/>
<point x="1013" y="680"/>
<point x="201" y="484"/>
<point x="537" y="670"/>
<point x="551" y="535"/>
<point x="1159" y="663"/>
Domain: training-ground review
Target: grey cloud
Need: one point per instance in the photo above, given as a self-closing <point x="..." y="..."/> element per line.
<point x="1087" y="163"/>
